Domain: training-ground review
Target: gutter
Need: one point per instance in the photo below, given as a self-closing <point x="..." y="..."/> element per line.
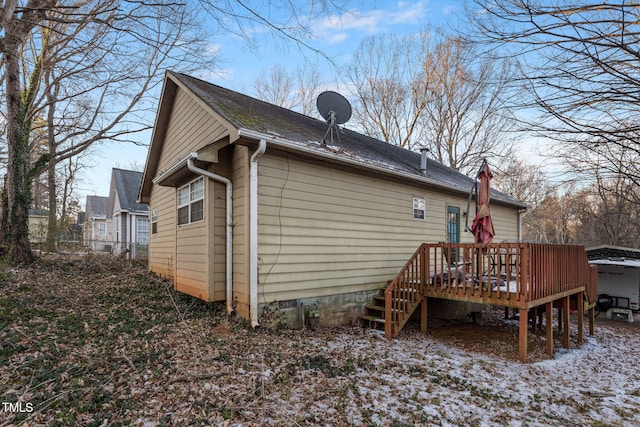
<point x="180" y="164"/>
<point x="253" y="231"/>
<point x="229" y="223"/>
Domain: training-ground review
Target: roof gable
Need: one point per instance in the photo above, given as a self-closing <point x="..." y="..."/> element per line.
<point x="126" y="185"/>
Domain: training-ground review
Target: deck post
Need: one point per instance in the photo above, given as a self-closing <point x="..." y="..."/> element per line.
<point x="524" y="326"/>
<point x="592" y="321"/>
<point x="388" y="321"/>
<point x="549" y="327"/>
<point x="423" y="315"/>
<point x="580" y="305"/>
<point x="565" y="321"/>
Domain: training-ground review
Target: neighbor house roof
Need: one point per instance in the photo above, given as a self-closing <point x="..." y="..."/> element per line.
<point x="606" y="252"/>
<point x="96" y="207"/>
<point x="250" y="117"/>
<point x="126" y="184"/>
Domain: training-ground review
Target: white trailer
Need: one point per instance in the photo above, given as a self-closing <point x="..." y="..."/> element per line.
<point x="620" y="279"/>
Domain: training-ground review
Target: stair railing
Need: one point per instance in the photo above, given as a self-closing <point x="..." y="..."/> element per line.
<point x="404" y="293"/>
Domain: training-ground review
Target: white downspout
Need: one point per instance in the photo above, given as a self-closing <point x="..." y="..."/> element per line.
<point x="229" y="224"/>
<point x="253" y="232"/>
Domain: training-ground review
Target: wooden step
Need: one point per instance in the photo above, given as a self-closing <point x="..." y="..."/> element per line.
<point x="373" y="322"/>
<point x="375" y="310"/>
<point x="379" y="300"/>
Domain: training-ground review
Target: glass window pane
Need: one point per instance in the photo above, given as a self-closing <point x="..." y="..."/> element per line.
<point x="183" y="215"/>
<point x="419" y="207"/>
<point x="197" y="211"/>
<point x="197" y="189"/>
<point x="183" y="196"/>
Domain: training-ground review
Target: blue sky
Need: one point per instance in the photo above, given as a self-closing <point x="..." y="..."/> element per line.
<point x="337" y="36"/>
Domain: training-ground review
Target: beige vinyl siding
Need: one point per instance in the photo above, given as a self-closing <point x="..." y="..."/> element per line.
<point x="181" y="251"/>
<point x="505" y="223"/>
<point x="192" y="259"/>
<point x="240" y="179"/>
<point x="190" y="128"/>
<point x="216" y="208"/>
<point x="326" y="231"/>
<point x="162" y="245"/>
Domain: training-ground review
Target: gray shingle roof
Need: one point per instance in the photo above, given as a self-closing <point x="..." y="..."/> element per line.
<point x="245" y="112"/>
<point x="127" y="184"/>
<point x="96" y="207"/>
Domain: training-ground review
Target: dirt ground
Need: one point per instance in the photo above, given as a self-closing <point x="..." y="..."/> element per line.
<point x="492" y="334"/>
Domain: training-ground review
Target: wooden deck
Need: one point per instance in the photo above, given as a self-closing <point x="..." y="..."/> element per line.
<point x="521" y="276"/>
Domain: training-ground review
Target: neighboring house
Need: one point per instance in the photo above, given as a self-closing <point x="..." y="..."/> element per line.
<point x="97" y="234"/>
<point x="618" y="274"/>
<point x="249" y="206"/>
<point x="129" y="219"/>
<point x="38" y="223"/>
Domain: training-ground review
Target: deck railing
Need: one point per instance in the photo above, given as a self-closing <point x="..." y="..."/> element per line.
<point x="519" y="275"/>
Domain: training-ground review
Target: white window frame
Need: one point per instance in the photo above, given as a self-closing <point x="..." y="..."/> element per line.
<point x="102" y="229"/>
<point x="188" y="197"/>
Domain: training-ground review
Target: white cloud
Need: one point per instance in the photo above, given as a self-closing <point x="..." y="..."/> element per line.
<point x="409" y="13"/>
<point x="335" y="29"/>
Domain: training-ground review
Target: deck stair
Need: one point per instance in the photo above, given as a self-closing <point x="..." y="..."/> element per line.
<point x="390" y="310"/>
<point x="374" y="313"/>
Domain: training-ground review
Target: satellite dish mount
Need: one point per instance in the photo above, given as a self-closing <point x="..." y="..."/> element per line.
<point x="336" y="110"/>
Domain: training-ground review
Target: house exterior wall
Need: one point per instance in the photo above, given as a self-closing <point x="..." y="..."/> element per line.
<point x="92" y="237"/>
<point x="325" y="231"/>
<point x="186" y="253"/>
<point x="38" y="228"/>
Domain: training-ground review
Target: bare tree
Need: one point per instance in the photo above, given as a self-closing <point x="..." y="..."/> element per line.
<point x="466" y="118"/>
<point x="579" y="63"/>
<point x="18" y="25"/>
<point x="296" y="90"/>
<point x="431" y="90"/>
<point x="90" y="64"/>
<point x="392" y="82"/>
<point x="525" y="182"/>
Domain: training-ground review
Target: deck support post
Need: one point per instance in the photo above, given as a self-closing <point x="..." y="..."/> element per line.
<point x="565" y="321"/>
<point x="423" y="315"/>
<point x="549" y="327"/>
<point x="592" y="321"/>
<point x="524" y="327"/>
<point x="580" y="304"/>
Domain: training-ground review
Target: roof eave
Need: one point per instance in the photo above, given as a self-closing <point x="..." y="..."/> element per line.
<point x="337" y="158"/>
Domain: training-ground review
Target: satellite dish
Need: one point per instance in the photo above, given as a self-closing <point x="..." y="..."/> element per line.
<point x="335" y="109"/>
<point x="333" y="104"/>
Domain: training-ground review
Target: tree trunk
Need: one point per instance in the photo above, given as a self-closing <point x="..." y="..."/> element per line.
<point x="52" y="226"/>
<point x="18" y="183"/>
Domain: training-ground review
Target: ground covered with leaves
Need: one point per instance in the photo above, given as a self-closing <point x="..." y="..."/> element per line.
<point x="100" y="342"/>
